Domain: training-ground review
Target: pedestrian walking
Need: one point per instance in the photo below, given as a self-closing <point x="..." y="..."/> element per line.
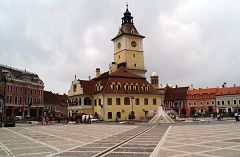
<point x="89" y="119"/>
<point x="218" y="117"/>
<point x="85" y="119"/>
<point x="236" y="115"/>
<point x="221" y="115"/>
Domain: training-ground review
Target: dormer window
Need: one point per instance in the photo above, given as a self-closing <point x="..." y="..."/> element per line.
<point x="137" y="87"/>
<point x="131" y="87"/>
<point x="144" y="87"/>
<point x="148" y="88"/>
<point x="113" y="86"/>
<point x="126" y="86"/>
<point x="98" y="86"/>
<point x="118" y="86"/>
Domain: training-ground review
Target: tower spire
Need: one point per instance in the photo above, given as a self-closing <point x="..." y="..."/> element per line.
<point x="127" y="18"/>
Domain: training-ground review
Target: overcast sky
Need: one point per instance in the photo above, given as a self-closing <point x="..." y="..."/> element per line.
<point x="187" y="42"/>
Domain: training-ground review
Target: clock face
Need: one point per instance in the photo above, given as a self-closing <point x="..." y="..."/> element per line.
<point x="133" y="43"/>
<point x="119" y="45"/>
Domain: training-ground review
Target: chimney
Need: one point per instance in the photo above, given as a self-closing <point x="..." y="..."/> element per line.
<point x="97" y="72"/>
<point x="89" y="77"/>
<point x="154" y="80"/>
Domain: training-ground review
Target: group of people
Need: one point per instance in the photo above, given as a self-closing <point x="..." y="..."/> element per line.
<point x="85" y="119"/>
<point x="220" y="116"/>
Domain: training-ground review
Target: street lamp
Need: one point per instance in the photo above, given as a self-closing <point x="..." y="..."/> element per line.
<point x="132" y="112"/>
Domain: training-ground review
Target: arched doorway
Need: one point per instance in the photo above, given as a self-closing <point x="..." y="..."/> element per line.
<point x="183" y="112"/>
<point x="175" y="106"/>
<point x="210" y="109"/>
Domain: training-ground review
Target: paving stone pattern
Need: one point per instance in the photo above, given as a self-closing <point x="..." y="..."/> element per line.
<point x="46" y="140"/>
<point x="139" y="146"/>
<point x="211" y="140"/>
<point x="219" y="140"/>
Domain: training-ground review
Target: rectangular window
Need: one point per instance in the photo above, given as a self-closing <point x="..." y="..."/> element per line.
<point x="194" y="103"/>
<point x="95" y="102"/>
<point x="7" y="99"/>
<point x="189" y="104"/>
<point x="99" y="101"/>
<point x="20" y="100"/>
<point x="207" y="102"/>
<point x="16" y="100"/>
<point x="222" y="102"/>
<point x="218" y="102"/>
<point x="109" y="115"/>
<point x="235" y="102"/>
<point x="212" y="102"/>
<point x="74" y="88"/>
<point x="126" y="101"/>
<point x="109" y="101"/>
<point x="228" y="102"/>
<point x="137" y="102"/>
<point x="118" y="114"/>
<point x="145" y="101"/>
<point x="239" y="102"/>
<point x="201" y="103"/>
<point x="118" y="101"/>
<point x="154" y="101"/>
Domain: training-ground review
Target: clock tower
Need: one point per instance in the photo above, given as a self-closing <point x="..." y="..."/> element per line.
<point x="128" y="47"/>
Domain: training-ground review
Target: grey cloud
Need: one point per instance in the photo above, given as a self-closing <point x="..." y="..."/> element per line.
<point x="187" y="42"/>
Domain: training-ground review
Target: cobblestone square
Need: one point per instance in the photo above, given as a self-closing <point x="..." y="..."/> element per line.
<point x="196" y="140"/>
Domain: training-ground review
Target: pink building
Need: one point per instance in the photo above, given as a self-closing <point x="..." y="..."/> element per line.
<point x="22" y="93"/>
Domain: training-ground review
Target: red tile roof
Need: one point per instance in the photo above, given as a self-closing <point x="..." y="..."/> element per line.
<point x="228" y="91"/>
<point x="207" y="93"/>
<point x="121" y="76"/>
<point x="175" y="94"/>
<point x="56" y="99"/>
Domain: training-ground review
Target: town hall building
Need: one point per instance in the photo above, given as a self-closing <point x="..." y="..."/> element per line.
<point x="122" y="92"/>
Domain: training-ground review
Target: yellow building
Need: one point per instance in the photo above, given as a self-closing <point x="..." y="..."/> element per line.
<point x="122" y="92"/>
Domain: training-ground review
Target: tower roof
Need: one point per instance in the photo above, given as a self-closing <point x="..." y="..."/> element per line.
<point x="127" y="27"/>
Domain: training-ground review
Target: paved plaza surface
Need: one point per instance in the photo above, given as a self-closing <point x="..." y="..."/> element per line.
<point x="208" y="140"/>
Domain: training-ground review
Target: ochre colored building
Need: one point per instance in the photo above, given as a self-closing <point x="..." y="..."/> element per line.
<point x="123" y="91"/>
<point x="202" y="101"/>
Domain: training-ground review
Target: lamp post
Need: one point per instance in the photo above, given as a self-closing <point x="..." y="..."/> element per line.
<point x="132" y="112"/>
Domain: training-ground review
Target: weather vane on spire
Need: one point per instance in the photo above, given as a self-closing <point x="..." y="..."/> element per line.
<point x="127" y="5"/>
